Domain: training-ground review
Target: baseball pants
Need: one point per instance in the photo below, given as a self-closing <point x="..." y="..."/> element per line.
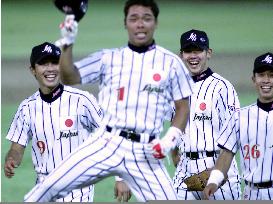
<point x="107" y="154"/>
<point x="254" y="193"/>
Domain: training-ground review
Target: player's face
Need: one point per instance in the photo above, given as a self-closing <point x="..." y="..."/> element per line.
<point x="140" y="24"/>
<point x="264" y="84"/>
<point x="196" y="59"/>
<point x="47" y="75"/>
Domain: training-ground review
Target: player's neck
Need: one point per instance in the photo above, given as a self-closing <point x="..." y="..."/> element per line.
<point x="143" y="48"/>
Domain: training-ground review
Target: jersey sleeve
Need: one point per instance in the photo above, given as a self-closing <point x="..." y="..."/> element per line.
<point x="91" y="112"/>
<point x="19" y="131"/>
<point x="90" y="67"/>
<point x="230" y="133"/>
<point x="227" y="102"/>
<point x="182" y="83"/>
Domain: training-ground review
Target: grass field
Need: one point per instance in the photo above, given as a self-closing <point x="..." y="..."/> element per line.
<point x="238" y="31"/>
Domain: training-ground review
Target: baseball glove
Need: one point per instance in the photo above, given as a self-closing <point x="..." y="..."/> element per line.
<point x="76" y="7"/>
<point x="197" y="182"/>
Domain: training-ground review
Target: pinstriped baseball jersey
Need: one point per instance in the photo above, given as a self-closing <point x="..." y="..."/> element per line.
<point x="213" y="101"/>
<point x="56" y="125"/>
<point x="254" y="140"/>
<point x="135" y="87"/>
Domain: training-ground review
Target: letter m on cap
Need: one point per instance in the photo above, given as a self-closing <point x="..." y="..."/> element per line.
<point x="47" y="49"/>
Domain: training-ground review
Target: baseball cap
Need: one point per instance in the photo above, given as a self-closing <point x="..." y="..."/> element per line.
<point x="44" y="51"/>
<point x="195" y="38"/>
<point x="263" y="62"/>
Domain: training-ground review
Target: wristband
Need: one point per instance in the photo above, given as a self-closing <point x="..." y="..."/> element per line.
<point x="216" y="177"/>
<point x="117" y="178"/>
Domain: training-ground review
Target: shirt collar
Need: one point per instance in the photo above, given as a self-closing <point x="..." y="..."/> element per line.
<point x="265" y="106"/>
<point x="142" y="48"/>
<point x="56" y="93"/>
<point x="208" y="72"/>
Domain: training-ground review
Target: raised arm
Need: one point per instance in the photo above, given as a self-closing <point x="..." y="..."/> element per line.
<point x="68" y="72"/>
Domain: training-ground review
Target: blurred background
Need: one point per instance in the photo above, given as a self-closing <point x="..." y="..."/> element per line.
<point x="239" y="31"/>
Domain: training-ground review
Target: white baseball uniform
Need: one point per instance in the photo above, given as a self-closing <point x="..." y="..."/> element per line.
<point x="56" y="124"/>
<point x="135" y="86"/>
<point x="213" y="101"/>
<point x="253" y="138"/>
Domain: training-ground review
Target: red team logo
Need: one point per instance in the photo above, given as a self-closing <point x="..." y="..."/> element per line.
<point x="202" y="106"/>
<point x="68" y="122"/>
<point x="156" y="77"/>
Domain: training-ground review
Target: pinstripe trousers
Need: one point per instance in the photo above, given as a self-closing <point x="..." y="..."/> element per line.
<point x="103" y="155"/>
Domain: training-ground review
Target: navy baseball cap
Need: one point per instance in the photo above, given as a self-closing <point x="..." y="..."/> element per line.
<point x="44" y="51"/>
<point x="263" y="63"/>
<point x="194" y="38"/>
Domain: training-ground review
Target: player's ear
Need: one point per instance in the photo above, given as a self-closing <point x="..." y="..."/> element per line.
<point x="253" y="78"/>
<point x="32" y="70"/>
<point x="209" y="53"/>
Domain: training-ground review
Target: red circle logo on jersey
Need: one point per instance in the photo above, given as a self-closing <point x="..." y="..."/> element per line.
<point x="68" y="122"/>
<point x="202" y="106"/>
<point x="157" y="77"/>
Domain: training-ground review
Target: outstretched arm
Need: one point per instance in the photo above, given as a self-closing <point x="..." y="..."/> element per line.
<point x="162" y="147"/>
<point x="13" y="159"/>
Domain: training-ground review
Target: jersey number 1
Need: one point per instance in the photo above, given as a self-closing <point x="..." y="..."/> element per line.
<point x="121" y="93"/>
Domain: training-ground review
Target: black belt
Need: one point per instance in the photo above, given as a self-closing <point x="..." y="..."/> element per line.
<point x="199" y="155"/>
<point x="130" y="135"/>
<point x="267" y="184"/>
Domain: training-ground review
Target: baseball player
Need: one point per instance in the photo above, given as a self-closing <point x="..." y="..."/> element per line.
<point x="213" y="101"/>
<point x="55" y="120"/>
<point x="137" y="82"/>
<point x="253" y="138"/>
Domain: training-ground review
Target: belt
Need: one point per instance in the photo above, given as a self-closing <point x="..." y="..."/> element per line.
<point x="199" y="155"/>
<point x="130" y="135"/>
<point x="268" y="184"/>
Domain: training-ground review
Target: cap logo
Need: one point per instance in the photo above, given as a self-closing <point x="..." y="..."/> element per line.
<point x="267" y="59"/>
<point x="192" y="37"/>
<point x="202" y="39"/>
<point x="47" y="49"/>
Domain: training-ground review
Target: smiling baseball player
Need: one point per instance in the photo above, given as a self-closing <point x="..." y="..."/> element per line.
<point x="213" y="101"/>
<point x="252" y="138"/>
<point x="55" y="120"/>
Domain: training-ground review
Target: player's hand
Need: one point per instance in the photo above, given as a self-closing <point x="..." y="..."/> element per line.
<point x="9" y="167"/>
<point x="122" y="192"/>
<point x="162" y="147"/>
<point x="209" y="190"/>
<point x="159" y="151"/>
<point x="69" y="31"/>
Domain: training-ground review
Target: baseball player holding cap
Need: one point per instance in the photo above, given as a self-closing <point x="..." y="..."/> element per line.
<point x="56" y="119"/>
<point x="213" y="101"/>
<point x="253" y="138"/>
<point x="137" y="84"/>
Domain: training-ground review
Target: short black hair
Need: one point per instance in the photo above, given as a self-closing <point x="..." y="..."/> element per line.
<point x="147" y="3"/>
